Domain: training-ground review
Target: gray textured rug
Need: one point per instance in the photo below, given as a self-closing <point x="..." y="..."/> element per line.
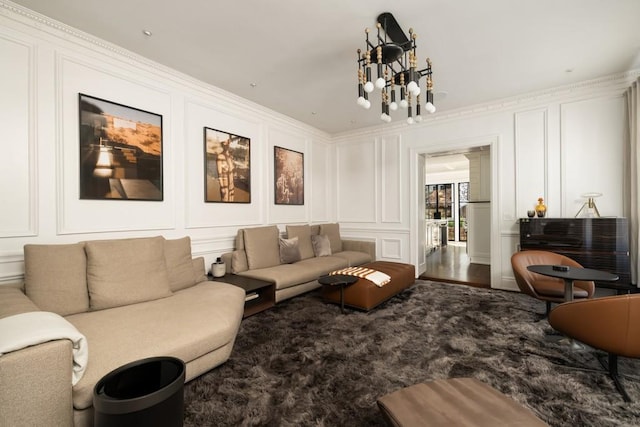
<point x="302" y="363"/>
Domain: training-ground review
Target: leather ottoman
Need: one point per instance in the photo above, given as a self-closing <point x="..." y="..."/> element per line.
<point x="365" y="295"/>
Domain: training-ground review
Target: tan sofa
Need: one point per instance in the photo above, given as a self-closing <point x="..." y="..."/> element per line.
<point x="259" y="254"/>
<point x="131" y="299"/>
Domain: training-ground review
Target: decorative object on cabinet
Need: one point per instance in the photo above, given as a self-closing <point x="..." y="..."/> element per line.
<point x="288" y="166"/>
<point x="227" y="167"/>
<point x="120" y="151"/>
<point x="218" y="268"/>
<point x="589" y="208"/>
<point x="541" y="208"/>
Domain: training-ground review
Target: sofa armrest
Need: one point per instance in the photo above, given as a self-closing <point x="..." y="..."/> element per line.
<point x="36" y="385"/>
<point x="360" y="246"/>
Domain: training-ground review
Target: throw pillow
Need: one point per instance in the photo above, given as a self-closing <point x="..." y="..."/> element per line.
<point x="333" y="232"/>
<point x="126" y="271"/>
<point x="289" y="250"/>
<point x="321" y="245"/>
<point x="303" y="233"/>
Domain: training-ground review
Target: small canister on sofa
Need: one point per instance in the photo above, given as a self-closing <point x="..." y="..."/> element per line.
<point x="218" y="268"/>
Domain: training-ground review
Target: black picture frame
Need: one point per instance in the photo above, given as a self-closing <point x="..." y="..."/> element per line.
<point x="288" y="185"/>
<point x="227" y="167"/>
<point x="120" y="151"/>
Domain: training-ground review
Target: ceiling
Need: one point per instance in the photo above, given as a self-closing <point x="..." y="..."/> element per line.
<point x="299" y="57"/>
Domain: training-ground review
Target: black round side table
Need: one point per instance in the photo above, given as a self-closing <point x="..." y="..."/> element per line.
<point x="147" y="392"/>
<point x="341" y="280"/>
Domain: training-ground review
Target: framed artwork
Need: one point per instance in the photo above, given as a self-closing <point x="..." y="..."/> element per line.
<point x="289" y="176"/>
<point x="227" y="167"/>
<point x="120" y="151"/>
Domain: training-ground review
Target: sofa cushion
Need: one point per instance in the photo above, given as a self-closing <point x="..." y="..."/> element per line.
<point x="289" y="250"/>
<point x="303" y="233"/>
<point x="126" y="271"/>
<point x="333" y="232"/>
<point x="354" y="257"/>
<point x="55" y="277"/>
<point x="199" y="270"/>
<point x="321" y="245"/>
<point x="239" y="261"/>
<point x="177" y="255"/>
<point x="261" y="245"/>
<point x="191" y="323"/>
<point x="288" y="275"/>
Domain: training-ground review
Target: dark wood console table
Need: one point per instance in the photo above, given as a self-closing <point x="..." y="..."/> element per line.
<point x="596" y="243"/>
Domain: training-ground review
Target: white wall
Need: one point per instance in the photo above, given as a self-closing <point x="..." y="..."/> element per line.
<point x="557" y="144"/>
<point x="46" y="64"/>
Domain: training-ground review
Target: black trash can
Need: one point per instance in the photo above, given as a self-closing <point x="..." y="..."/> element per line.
<point x="147" y="392"/>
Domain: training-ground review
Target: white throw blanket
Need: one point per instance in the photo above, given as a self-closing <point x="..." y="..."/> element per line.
<point x="37" y="327"/>
<point x="377" y="277"/>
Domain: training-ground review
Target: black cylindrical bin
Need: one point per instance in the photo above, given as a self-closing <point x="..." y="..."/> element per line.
<point x="147" y="392"/>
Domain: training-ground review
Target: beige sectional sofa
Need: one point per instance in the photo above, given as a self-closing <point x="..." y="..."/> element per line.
<point x="131" y="299"/>
<point x="260" y="254"/>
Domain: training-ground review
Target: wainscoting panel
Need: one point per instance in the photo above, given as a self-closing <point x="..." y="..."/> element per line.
<point x="593" y="158"/>
<point x="320" y="182"/>
<point x="391" y="249"/>
<point x="286" y="214"/>
<point x="356" y="178"/>
<point x="390" y="186"/>
<point x="75" y="76"/>
<point x="531" y="154"/>
<point x="199" y="114"/>
<point x="18" y="176"/>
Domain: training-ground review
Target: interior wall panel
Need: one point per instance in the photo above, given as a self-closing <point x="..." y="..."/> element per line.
<point x="90" y="216"/>
<point x="356" y="178"/>
<point x="531" y="164"/>
<point x="592" y="132"/>
<point x="200" y="214"/>
<point x="17" y="139"/>
<point x="285" y="214"/>
<point x="321" y="180"/>
<point x="390" y="192"/>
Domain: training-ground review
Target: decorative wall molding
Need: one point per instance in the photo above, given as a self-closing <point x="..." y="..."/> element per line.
<point x="391" y="194"/>
<point x="57" y="29"/>
<point x="527" y="168"/>
<point x="31" y="192"/>
<point x="391" y="248"/>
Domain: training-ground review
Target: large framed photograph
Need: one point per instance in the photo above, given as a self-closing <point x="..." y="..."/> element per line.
<point x="289" y="176"/>
<point x="227" y="167"/>
<point x="120" y="151"/>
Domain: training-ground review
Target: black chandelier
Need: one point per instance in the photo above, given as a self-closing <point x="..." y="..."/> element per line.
<point x="397" y="65"/>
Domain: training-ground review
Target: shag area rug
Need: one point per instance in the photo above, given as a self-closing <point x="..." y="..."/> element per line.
<point x="302" y="363"/>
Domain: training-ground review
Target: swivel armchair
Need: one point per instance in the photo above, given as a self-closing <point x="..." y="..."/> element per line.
<point x="610" y="324"/>
<point x="548" y="289"/>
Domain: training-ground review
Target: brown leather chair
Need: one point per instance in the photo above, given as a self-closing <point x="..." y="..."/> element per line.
<point x="611" y="324"/>
<point x="546" y="288"/>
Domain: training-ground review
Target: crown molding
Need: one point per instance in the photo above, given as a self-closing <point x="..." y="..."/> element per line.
<point x="610" y="84"/>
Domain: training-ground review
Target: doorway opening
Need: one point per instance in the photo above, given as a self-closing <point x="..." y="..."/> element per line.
<point x="453" y="184"/>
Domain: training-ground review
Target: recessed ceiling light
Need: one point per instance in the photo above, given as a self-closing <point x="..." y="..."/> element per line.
<point x="569" y="70"/>
<point x="147" y="33"/>
<point x="253" y="84"/>
<point x="313" y="113"/>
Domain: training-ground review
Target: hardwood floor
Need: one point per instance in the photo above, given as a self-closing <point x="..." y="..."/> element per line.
<point x="451" y="264"/>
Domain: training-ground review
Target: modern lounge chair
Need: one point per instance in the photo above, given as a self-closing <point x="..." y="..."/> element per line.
<point x="610" y="324"/>
<point x="545" y="288"/>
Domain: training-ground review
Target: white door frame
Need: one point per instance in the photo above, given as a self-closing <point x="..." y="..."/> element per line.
<point x="417" y="240"/>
